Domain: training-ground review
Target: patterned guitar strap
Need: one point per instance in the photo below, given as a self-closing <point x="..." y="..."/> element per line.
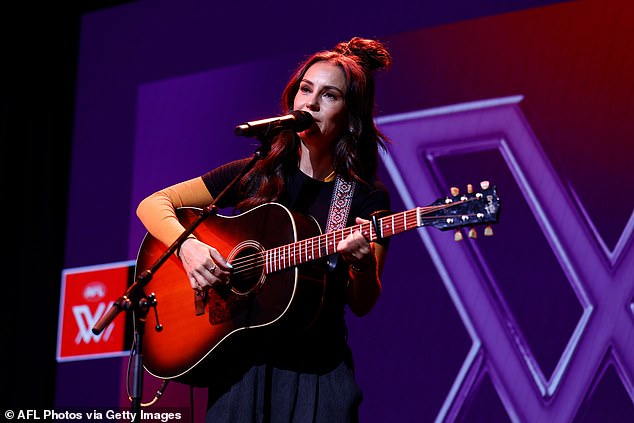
<point x="339" y="210"/>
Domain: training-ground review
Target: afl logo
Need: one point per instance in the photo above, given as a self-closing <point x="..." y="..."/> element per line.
<point x="94" y="291"/>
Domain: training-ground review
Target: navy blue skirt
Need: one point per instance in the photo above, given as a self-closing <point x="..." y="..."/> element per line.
<point x="269" y="394"/>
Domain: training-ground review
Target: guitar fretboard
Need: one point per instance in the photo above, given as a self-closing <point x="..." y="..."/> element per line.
<point x="317" y="247"/>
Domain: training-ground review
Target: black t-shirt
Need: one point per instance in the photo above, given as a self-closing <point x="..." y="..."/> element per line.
<point x="326" y="339"/>
<point x="303" y="193"/>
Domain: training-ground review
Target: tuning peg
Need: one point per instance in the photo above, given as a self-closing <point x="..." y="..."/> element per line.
<point x="484" y="184"/>
<point x="454" y="191"/>
<point x="472" y="233"/>
<point x="488" y="231"/>
<point x="469" y="188"/>
<point x="457" y="236"/>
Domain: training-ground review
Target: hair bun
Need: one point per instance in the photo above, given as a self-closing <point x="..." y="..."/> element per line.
<point x="371" y="54"/>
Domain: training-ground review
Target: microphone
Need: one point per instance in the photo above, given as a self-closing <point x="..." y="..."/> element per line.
<point x="296" y="120"/>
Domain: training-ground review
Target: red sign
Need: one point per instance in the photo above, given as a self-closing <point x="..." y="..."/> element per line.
<point x="88" y="293"/>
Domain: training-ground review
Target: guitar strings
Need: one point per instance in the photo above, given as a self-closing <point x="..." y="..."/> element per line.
<point x="257" y="260"/>
<point x="287" y="254"/>
<point x="284" y="257"/>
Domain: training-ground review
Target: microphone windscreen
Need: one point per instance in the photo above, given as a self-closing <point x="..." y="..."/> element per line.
<point x="303" y="120"/>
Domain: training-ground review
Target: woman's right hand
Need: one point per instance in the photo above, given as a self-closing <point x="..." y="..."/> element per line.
<point x="204" y="265"/>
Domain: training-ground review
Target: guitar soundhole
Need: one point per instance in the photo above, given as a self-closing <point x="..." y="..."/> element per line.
<point x="248" y="263"/>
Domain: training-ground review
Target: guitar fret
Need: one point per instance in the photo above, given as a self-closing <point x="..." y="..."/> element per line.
<point x="396" y="223"/>
<point x="286" y="257"/>
<point x="321" y="251"/>
<point x="325" y="244"/>
<point x="302" y="251"/>
<point x="330" y="243"/>
<point x="333" y="240"/>
<point x="289" y="253"/>
<point x="396" y="228"/>
<point x="280" y="264"/>
<point x="280" y="258"/>
<point x="312" y="253"/>
<point x="274" y="259"/>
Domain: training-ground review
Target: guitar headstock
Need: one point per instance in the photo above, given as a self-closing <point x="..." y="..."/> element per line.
<point x="469" y="209"/>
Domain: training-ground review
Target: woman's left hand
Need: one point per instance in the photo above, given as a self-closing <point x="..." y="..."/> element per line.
<point x="357" y="251"/>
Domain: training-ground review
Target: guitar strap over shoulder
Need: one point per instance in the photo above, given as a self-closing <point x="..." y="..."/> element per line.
<point x="339" y="210"/>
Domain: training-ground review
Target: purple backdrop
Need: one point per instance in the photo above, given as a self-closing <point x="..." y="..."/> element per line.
<point x="534" y="324"/>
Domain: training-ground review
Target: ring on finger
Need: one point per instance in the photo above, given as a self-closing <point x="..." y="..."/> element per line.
<point x="212" y="268"/>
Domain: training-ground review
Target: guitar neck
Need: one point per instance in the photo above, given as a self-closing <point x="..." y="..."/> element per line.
<point x="321" y="246"/>
<point x="445" y="213"/>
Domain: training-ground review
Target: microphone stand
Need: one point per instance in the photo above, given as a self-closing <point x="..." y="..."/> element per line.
<point x="134" y="299"/>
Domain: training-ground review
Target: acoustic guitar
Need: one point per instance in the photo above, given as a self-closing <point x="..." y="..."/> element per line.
<point x="276" y="284"/>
